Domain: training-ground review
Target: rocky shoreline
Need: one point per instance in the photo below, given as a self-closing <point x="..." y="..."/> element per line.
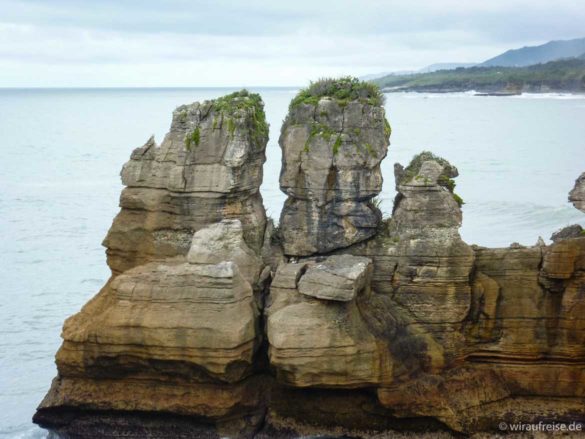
<point x="502" y="90"/>
<point x="215" y="323"/>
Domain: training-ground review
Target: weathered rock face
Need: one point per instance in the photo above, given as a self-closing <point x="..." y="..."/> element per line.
<point x="167" y="336"/>
<point x="176" y="329"/>
<point x="208" y="168"/>
<point x="332" y="151"/>
<point x="317" y="334"/>
<point x="412" y="329"/>
<point x="577" y="195"/>
<point x="337" y="278"/>
<point x="422" y="268"/>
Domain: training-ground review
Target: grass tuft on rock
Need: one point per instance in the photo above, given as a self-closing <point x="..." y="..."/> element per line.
<point x="343" y="90"/>
<point x="193" y="138"/>
<point x="337" y="145"/>
<point x="445" y="179"/>
<point x="413" y="169"/>
<point x="239" y="104"/>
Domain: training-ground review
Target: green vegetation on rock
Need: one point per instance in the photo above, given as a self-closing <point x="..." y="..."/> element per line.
<point x="343" y="90"/>
<point x="413" y="169"/>
<point x="193" y="138"/>
<point x="458" y="199"/>
<point x="337" y="145"/>
<point x="319" y="129"/>
<point x="387" y="128"/>
<point x="238" y="105"/>
<point x="445" y="179"/>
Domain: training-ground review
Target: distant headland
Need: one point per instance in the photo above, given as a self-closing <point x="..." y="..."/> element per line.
<point x="557" y="66"/>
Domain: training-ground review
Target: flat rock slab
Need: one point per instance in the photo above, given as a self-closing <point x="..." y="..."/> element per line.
<point x="337" y="278"/>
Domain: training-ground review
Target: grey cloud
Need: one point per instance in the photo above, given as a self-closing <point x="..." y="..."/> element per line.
<point x="497" y="20"/>
<point x="267" y="39"/>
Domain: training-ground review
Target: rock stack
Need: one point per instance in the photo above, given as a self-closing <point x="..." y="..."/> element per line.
<point x="209" y="167"/>
<point x="177" y="327"/>
<point x="577" y="195"/>
<point x="333" y="140"/>
<point x="214" y="325"/>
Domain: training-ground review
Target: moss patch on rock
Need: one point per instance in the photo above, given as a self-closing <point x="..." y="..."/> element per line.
<point x="337" y="145"/>
<point x="238" y="105"/>
<point x="387" y="128"/>
<point x="445" y="179"/>
<point x="319" y="129"/>
<point x="193" y="138"/>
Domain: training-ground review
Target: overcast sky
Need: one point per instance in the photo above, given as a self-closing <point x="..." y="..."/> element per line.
<point x="260" y="42"/>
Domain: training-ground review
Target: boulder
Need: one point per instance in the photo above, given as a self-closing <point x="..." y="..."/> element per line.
<point x="337" y="278"/>
<point x="316" y="342"/>
<point x="572" y="231"/>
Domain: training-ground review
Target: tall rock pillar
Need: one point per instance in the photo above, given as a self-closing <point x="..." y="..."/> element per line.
<point x="333" y="140"/>
<point x="208" y="168"/>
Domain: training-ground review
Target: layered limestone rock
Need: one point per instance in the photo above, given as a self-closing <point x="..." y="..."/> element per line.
<point x="338" y="278"/>
<point x="577" y="195"/>
<point x="333" y="140"/>
<point x="218" y="325"/>
<point x="208" y="168"/>
<point x="176" y="329"/>
<point x="431" y="279"/>
<point x="422" y="266"/>
<point x="518" y="334"/>
<point x="316" y="332"/>
<point x="193" y="321"/>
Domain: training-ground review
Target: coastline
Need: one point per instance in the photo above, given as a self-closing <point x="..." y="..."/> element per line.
<point x="501" y="92"/>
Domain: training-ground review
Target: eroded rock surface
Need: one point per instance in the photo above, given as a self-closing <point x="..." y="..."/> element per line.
<point x="178" y="336"/>
<point x="324" y="341"/>
<point x="337" y="278"/>
<point x="216" y="325"/>
<point x="577" y="195"/>
<point x="332" y="151"/>
<point x="208" y="168"/>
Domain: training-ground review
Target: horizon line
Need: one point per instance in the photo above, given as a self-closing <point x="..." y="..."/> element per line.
<point x="34" y="87"/>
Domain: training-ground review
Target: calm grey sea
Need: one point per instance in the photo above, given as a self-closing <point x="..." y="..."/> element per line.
<point x="61" y="152"/>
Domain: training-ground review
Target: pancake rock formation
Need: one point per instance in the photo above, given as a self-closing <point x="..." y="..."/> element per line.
<point x="208" y="167"/>
<point x="333" y="141"/>
<point x="338" y="323"/>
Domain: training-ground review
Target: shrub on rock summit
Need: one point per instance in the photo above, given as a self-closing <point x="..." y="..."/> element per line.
<point x="343" y="90"/>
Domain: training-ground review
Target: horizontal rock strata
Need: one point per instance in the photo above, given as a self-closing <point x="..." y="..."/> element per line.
<point x="218" y="324"/>
<point x="332" y="151"/>
<point x="324" y="341"/>
<point x="208" y="168"/>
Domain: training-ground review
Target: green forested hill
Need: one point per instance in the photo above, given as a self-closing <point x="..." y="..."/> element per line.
<point x="526" y="56"/>
<point x="565" y="75"/>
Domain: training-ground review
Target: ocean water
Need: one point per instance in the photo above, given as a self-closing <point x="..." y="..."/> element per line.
<point x="61" y="152"/>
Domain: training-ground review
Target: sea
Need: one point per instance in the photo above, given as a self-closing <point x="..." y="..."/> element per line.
<point x="61" y="151"/>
